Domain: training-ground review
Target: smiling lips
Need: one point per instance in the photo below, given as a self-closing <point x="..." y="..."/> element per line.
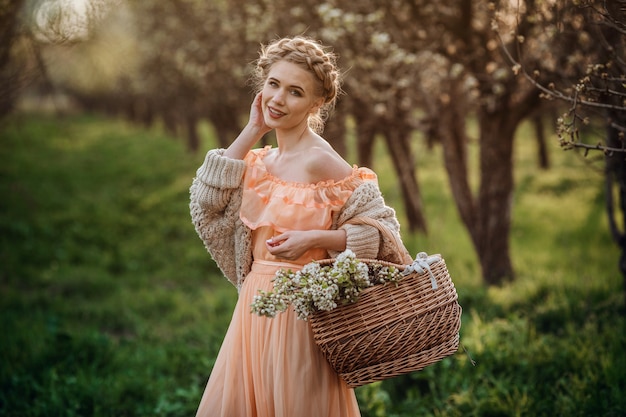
<point x="275" y="113"/>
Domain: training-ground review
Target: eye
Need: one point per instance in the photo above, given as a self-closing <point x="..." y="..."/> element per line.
<point x="296" y="93"/>
<point x="272" y="83"/>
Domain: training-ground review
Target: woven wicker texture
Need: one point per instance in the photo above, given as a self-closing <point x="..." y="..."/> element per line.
<point x="392" y="329"/>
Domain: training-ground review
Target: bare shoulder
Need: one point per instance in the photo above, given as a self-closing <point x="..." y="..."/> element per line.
<point x="324" y="163"/>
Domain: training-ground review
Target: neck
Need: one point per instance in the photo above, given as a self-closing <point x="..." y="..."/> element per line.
<point x="291" y="140"/>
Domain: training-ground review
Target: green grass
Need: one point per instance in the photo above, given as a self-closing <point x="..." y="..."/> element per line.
<point x="110" y="306"/>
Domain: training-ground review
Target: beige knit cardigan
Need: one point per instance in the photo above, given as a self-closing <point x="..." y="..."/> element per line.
<point x="216" y="195"/>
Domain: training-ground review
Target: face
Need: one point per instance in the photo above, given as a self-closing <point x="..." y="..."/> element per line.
<point x="289" y="96"/>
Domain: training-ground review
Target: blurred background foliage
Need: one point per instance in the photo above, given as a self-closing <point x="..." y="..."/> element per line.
<point x="109" y="303"/>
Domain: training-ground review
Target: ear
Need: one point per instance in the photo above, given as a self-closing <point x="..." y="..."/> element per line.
<point x="316" y="105"/>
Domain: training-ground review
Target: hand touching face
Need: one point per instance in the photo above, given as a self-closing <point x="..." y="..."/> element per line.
<point x="256" y="114"/>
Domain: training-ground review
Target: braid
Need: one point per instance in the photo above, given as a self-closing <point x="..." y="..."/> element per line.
<point x="311" y="56"/>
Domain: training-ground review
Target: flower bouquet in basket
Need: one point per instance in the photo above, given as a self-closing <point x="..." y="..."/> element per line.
<point x="318" y="287"/>
<point x="371" y="319"/>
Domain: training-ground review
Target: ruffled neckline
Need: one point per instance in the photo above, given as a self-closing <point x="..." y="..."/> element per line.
<point x="256" y="159"/>
<point x="291" y="205"/>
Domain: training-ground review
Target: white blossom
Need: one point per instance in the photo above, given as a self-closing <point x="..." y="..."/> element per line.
<point x="321" y="288"/>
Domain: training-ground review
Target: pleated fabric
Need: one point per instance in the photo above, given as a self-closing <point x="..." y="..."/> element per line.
<point x="271" y="367"/>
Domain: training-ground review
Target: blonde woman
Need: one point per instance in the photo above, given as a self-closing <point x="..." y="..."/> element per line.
<point x="261" y="209"/>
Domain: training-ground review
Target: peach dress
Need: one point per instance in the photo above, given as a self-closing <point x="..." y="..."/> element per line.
<point x="271" y="367"/>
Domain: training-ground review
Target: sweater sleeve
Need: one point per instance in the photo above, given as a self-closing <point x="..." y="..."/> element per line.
<point x="215" y="199"/>
<point x="364" y="240"/>
<point x="218" y="177"/>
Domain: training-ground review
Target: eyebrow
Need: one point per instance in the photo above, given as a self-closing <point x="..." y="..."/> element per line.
<point x="291" y="86"/>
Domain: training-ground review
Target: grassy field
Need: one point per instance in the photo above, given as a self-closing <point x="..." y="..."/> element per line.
<point x="110" y="305"/>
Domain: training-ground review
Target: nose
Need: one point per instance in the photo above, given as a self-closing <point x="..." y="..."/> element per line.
<point x="279" y="96"/>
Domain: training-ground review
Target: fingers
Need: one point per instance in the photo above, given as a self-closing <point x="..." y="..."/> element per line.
<point x="272" y="243"/>
<point x="256" y="113"/>
<point x="275" y="241"/>
<point x="279" y="247"/>
<point x="257" y="100"/>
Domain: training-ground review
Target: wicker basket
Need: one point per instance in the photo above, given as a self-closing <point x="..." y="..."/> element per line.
<point x="392" y="329"/>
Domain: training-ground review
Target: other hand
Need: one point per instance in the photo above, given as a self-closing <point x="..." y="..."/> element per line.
<point x="289" y="245"/>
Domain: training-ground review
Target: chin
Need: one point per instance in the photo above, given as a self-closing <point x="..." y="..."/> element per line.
<point x="268" y="119"/>
<point x="271" y="123"/>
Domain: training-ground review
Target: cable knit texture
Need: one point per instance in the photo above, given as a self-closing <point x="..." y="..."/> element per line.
<point x="215" y="202"/>
<point x="215" y="198"/>
<point x="366" y="241"/>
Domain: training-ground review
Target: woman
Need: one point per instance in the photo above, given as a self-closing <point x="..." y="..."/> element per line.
<point x="259" y="210"/>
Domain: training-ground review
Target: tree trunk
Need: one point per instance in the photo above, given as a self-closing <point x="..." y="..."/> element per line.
<point x="542" y="149"/>
<point x="615" y="174"/>
<point x="335" y="131"/>
<point x="615" y="170"/>
<point x="170" y="121"/>
<point x="398" y="144"/>
<point x="487" y="215"/>
<point x="146" y="110"/>
<point x="193" y="139"/>
<point x="451" y="131"/>
<point x="366" y="130"/>
<point x="225" y="135"/>
<point x="366" y="135"/>
<point x="495" y="195"/>
<point x="226" y="125"/>
<point x="9" y="73"/>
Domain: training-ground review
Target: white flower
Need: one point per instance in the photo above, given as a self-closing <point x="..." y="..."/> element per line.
<point x="321" y="288"/>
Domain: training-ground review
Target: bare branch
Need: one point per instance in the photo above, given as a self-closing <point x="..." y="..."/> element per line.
<point x="617" y="127"/>
<point x="586" y="146"/>
<point x="518" y="68"/>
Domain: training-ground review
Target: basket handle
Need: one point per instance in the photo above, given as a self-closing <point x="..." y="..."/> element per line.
<point x="393" y="237"/>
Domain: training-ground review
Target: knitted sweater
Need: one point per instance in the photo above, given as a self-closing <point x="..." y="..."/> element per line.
<point x="215" y="200"/>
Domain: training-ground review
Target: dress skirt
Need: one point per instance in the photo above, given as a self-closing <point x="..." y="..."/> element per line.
<point x="271" y="367"/>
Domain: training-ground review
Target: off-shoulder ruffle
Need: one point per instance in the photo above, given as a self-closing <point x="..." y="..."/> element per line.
<point x="290" y="205"/>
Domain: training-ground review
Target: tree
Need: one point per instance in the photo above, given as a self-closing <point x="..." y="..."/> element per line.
<point x="434" y="67"/>
<point x="185" y="44"/>
<point x="381" y="90"/>
<point x="411" y="64"/>
<point x="456" y="73"/>
<point x="187" y="72"/>
<point x="29" y="31"/>
<point x="9" y="72"/>
<point x="592" y="84"/>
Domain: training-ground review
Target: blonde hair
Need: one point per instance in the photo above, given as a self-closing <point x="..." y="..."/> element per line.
<point x="310" y="56"/>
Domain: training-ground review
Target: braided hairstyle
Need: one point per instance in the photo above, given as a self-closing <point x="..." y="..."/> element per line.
<point x="310" y="56"/>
